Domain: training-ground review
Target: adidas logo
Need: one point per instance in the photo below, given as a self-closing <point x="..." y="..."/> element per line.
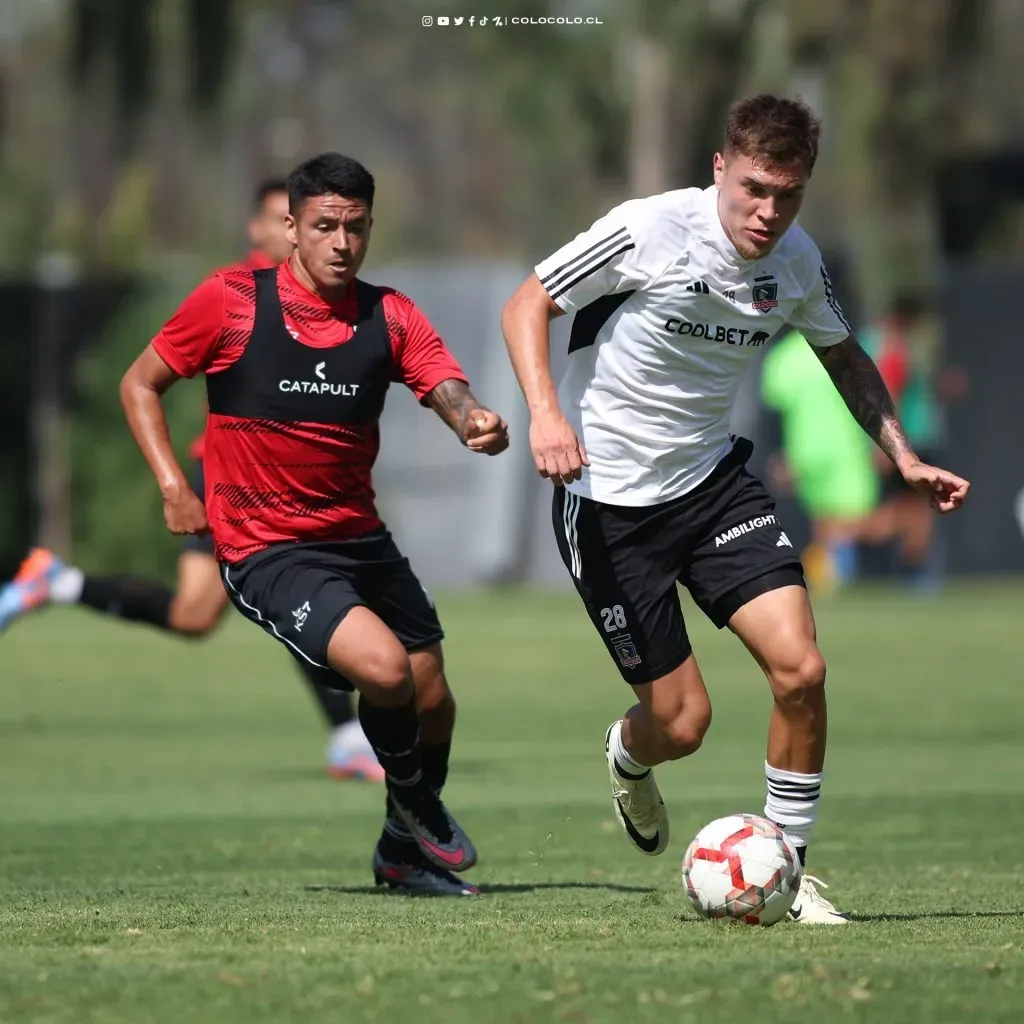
<point x="700" y="287"/>
<point x="784" y="541"/>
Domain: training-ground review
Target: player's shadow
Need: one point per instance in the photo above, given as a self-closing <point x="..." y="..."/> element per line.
<point x="933" y="915"/>
<point x="487" y="889"/>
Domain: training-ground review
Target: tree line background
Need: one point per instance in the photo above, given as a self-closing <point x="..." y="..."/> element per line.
<point x="132" y="133"/>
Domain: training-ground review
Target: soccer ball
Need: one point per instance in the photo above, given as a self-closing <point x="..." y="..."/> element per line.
<point x="742" y="868"/>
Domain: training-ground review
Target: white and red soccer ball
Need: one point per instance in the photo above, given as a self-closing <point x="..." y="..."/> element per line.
<point x="742" y="868"/>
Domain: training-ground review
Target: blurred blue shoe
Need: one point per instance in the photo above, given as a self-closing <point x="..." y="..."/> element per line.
<point x="30" y="588"/>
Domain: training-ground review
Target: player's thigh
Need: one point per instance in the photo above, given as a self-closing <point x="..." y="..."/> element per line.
<point x="200" y="599"/>
<point x="362" y="648"/>
<point x="742" y="549"/>
<point x="777" y="627"/>
<point x="626" y="577"/>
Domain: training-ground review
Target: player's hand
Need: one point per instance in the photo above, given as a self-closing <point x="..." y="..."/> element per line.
<point x="185" y="513"/>
<point x="557" y="451"/>
<point x="485" y="432"/>
<point x="946" y="490"/>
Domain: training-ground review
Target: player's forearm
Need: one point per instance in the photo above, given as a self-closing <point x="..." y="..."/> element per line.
<point x="453" y="402"/>
<point x="857" y="379"/>
<point x="144" y="411"/>
<point x="525" y="323"/>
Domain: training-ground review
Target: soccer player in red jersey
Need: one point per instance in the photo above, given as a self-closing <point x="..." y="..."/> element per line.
<point x="298" y="361"/>
<point x="198" y="603"/>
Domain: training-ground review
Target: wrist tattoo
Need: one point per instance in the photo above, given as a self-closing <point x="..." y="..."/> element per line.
<point x="453" y="402"/>
<point x="857" y="379"/>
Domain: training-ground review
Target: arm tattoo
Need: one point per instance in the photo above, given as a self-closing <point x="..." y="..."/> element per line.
<point x="453" y="402"/>
<point x="857" y="379"/>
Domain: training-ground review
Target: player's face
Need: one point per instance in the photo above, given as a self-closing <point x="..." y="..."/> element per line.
<point x="756" y="202"/>
<point x="331" y="234"/>
<point x="268" y="230"/>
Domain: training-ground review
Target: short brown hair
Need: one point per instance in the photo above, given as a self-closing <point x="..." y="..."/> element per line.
<point x="773" y="129"/>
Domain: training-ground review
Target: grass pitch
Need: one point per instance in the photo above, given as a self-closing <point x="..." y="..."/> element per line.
<point x="171" y="851"/>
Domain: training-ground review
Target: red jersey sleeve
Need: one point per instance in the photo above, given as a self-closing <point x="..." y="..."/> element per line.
<point x="422" y="359"/>
<point x="188" y="342"/>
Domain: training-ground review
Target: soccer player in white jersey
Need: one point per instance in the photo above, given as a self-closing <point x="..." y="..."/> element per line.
<point x="671" y="296"/>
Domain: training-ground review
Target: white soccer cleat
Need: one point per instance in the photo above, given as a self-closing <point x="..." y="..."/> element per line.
<point x="810" y="907"/>
<point x="638" y="804"/>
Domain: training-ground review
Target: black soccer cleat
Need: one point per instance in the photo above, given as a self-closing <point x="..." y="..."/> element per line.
<point x="437" y="833"/>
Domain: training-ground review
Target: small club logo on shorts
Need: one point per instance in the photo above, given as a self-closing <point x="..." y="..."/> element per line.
<point x="301" y="614"/>
<point x="625" y="651"/>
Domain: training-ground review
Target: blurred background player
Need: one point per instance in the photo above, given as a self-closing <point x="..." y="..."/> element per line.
<point x="198" y="602"/>
<point x="826" y="459"/>
<point x="906" y="346"/>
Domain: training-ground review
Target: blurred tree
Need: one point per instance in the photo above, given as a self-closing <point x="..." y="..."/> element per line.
<point x="118" y="58"/>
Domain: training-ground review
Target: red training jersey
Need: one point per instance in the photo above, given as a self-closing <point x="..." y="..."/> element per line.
<point x="269" y="480"/>
<point x="256" y="260"/>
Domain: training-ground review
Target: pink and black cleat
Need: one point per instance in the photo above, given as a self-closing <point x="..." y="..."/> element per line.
<point x="413" y="875"/>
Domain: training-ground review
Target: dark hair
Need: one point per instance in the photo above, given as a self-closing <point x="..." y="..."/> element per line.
<point x="330" y="174"/>
<point x="773" y="129"/>
<point x="267" y="187"/>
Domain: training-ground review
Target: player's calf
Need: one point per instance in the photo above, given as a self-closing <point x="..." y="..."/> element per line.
<point x="670" y="740"/>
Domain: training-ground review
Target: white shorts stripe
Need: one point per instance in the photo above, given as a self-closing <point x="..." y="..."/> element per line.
<point x="264" y="622"/>
<point x="570" y="512"/>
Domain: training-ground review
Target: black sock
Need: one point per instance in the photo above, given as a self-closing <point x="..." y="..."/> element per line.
<point x="435" y="764"/>
<point x="435" y="772"/>
<point x="335" y="704"/>
<point x="394" y="734"/>
<point x="129" y="597"/>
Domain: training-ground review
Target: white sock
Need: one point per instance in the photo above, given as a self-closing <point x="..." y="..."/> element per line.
<point x="623" y="760"/>
<point x="67" y="587"/>
<point x="792" y="801"/>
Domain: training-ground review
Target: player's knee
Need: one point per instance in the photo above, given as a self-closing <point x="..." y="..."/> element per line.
<point x="434" y="698"/>
<point x="389" y="674"/>
<point x="800" y="678"/>
<point x="685" y="733"/>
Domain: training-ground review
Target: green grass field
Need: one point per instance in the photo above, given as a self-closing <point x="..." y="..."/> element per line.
<point x="171" y="850"/>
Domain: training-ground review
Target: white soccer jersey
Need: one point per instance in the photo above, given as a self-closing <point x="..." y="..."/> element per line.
<point x="667" y="314"/>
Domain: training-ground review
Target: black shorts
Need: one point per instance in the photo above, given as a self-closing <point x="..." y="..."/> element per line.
<point x="722" y="541"/>
<point x="201" y="542"/>
<point x="299" y="593"/>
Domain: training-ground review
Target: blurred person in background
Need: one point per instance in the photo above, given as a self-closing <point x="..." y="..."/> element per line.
<point x="198" y="602"/>
<point x="298" y="360"/>
<point x="826" y="460"/>
<point x="671" y="296"/>
<point x="906" y="346"/>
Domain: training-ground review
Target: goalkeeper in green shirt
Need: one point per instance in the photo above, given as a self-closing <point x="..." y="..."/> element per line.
<point x="828" y="459"/>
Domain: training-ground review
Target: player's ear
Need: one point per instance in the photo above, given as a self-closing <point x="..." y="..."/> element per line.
<point x="719" y="168"/>
<point x="290" y="231"/>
